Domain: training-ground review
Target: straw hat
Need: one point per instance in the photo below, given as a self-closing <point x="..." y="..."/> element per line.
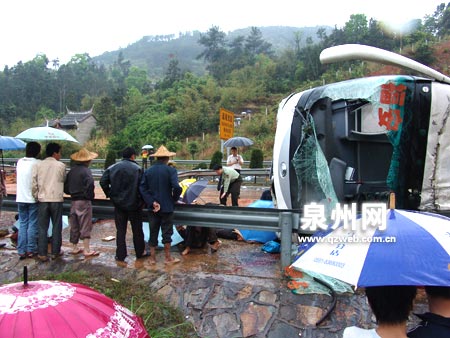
<point x="163" y="152"/>
<point x="83" y="155"/>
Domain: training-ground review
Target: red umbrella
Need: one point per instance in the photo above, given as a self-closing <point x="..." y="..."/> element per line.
<point x="59" y="309"/>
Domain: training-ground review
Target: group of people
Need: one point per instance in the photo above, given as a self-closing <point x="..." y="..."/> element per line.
<point x="130" y="189"/>
<point x="41" y="185"/>
<point x="392" y="305"/>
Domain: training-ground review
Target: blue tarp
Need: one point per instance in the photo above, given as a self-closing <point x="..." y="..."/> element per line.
<point x="258" y="235"/>
<point x="176" y="238"/>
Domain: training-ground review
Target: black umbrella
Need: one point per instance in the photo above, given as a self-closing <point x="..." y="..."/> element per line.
<point x="238" y="141"/>
<point x="194" y="190"/>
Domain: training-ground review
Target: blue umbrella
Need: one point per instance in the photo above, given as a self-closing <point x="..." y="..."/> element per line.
<point x="10" y="143"/>
<point x="238" y="141"/>
<point x="194" y="191"/>
<point x="414" y="249"/>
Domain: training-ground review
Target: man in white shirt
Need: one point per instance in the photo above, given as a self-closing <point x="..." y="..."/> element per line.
<point x="235" y="160"/>
<point x="27" y="246"/>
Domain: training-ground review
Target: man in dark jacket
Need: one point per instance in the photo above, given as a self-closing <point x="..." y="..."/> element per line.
<point x="160" y="190"/>
<point x="436" y="322"/>
<point x="120" y="182"/>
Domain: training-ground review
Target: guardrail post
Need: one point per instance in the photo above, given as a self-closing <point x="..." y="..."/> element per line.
<point x="285" y="223"/>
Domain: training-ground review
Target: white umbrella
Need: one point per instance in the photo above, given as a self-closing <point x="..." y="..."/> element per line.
<point x="45" y="134"/>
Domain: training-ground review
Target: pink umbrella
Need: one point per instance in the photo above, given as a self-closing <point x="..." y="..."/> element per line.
<point x="57" y="309"/>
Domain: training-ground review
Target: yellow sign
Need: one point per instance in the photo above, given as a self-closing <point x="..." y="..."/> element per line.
<point x="226" y="124"/>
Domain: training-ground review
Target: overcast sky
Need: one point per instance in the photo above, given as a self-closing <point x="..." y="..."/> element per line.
<point x="63" y="28"/>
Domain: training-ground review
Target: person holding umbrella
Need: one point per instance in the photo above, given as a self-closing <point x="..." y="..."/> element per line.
<point x="391" y="306"/>
<point x="48" y="188"/>
<point x="235" y="160"/>
<point x="80" y="186"/>
<point x="27" y="242"/>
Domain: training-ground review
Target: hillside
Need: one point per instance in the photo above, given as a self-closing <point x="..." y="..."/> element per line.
<point x="154" y="53"/>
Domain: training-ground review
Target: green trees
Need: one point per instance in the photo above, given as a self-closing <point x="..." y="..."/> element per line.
<point x="193" y="148"/>
<point x="244" y="72"/>
<point x="256" y="159"/>
<point x="216" y="159"/>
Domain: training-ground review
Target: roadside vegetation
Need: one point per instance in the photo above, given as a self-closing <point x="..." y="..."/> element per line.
<point x="245" y="74"/>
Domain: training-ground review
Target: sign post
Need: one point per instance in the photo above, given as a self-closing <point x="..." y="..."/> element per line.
<point x="226" y="129"/>
<point x="226" y="124"/>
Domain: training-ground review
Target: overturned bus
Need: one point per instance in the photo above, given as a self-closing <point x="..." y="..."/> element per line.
<point x="359" y="140"/>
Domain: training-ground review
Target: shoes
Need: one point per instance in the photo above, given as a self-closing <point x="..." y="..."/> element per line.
<point x="121" y="262"/>
<point x="54" y="256"/>
<point x="91" y="254"/>
<point x="31" y="254"/>
<point x="43" y="258"/>
<point x="22" y="256"/>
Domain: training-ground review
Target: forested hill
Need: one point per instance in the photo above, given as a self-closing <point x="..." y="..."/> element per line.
<point x="153" y="53"/>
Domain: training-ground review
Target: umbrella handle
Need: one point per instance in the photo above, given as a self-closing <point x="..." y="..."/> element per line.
<point x="25" y="276"/>
<point x="333" y="300"/>
<point x="392" y="200"/>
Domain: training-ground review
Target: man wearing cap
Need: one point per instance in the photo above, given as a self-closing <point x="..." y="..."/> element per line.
<point x="231" y="184"/>
<point x="160" y="190"/>
<point x="79" y="185"/>
<point x="120" y="183"/>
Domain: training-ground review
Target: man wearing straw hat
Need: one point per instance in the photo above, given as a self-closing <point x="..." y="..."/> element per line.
<point x="160" y="190"/>
<point x="79" y="185"/>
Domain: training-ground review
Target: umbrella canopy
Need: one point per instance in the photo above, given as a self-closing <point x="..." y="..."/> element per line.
<point x="58" y="309"/>
<point x="194" y="190"/>
<point x="147" y="147"/>
<point x="414" y="249"/>
<point x="238" y="141"/>
<point x="45" y="134"/>
<point x="11" y="143"/>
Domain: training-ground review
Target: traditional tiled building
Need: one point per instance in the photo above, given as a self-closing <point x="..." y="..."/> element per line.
<point x="83" y="122"/>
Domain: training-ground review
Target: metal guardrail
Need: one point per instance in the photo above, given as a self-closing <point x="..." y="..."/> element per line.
<point x="263" y="219"/>
<point x="10" y="164"/>
<point x="100" y="161"/>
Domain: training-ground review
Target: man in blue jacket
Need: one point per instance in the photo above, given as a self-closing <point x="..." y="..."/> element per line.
<point x="160" y="190"/>
<point x="120" y="183"/>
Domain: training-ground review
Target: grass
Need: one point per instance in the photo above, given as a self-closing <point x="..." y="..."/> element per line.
<point x="160" y="318"/>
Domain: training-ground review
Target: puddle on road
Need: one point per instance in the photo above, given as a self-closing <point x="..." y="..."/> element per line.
<point x="233" y="257"/>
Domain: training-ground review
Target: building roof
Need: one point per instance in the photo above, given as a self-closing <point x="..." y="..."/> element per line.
<point x="74" y="118"/>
